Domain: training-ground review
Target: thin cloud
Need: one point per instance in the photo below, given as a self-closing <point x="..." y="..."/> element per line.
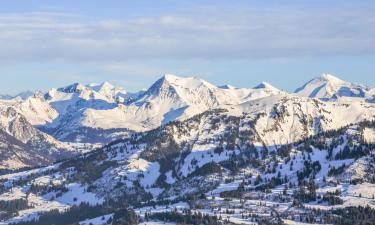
<point x="226" y="34"/>
<point x="124" y="68"/>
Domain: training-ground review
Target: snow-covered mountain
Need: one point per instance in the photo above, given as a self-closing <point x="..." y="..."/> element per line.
<point x="105" y="91"/>
<point x="173" y="97"/>
<point x="330" y="87"/>
<point x="103" y="112"/>
<point x="22" y="145"/>
<point x="100" y="113"/>
<point x="79" y="108"/>
<point x="89" y="113"/>
<point x="246" y="154"/>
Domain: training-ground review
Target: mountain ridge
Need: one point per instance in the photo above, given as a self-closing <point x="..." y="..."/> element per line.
<point x="93" y="114"/>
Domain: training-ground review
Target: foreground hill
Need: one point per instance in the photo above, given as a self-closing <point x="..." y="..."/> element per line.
<point x="221" y="162"/>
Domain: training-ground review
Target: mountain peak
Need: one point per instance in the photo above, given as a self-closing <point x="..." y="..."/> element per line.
<point x="107" y="84"/>
<point x="171" y="77"/>
<point x="330" y="78"/>
<point x="185" y="82"/>
<point x="227" y="86"/>
<point x="328" y="86"/>
<point x="265" y="85"/>
<point x="103" y="87"/>
<point x="73" y="88"/>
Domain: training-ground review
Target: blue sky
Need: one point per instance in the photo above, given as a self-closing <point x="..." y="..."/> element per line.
<point x="46" y="43"/>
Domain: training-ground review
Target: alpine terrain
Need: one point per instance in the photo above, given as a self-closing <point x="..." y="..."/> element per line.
<point x="185" y="151"/>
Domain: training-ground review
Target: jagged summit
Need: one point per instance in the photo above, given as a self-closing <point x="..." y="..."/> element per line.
<point x="78" y="87"/>
<point x="110" y="91"/>
<point x="177" y="85"/>
<point x="104" y="91"/>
